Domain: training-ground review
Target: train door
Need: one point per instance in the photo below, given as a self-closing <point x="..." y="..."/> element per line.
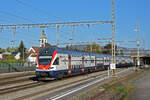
<point x="103" y="63"/>
<point x="69" y="65"/>
<point x="95" y="63"/>
<point x="83" y="64"/>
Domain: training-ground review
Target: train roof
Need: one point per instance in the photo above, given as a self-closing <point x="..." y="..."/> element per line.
<point x="75" y="53"/>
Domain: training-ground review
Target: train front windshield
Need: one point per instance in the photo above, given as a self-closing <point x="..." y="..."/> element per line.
<point x="45" y="57"/>
<point x="45" y="60"/>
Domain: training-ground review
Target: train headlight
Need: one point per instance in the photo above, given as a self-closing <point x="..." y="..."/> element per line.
<point x="51" y="68"/>
<point x="37" y="67"/>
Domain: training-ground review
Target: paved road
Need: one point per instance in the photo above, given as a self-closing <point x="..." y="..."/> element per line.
<point x="142" y="90"/>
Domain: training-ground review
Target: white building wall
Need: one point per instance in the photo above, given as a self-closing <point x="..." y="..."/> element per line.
<point x="1" y="56"/>
<point x="17" y="56"/>
<point x="31" y="59"/>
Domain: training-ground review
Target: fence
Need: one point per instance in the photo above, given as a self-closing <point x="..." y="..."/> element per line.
<point x="16" y="67"/>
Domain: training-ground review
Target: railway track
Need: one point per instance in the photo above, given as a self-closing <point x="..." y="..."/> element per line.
<point x="36" y="84"/>
<point x="60" y="86"/>
<point x="17" y="80"/>
<point x="13" y="76"/>
<point x="17" y="88"/>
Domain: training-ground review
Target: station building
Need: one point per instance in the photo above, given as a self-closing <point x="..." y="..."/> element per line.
<point x="144" y="59"/>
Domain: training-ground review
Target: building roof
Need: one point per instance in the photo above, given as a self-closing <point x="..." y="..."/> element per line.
<point x="6" y="53"/>
<point x="34" y="49"/>
<point x="47" y="45"/>
<point x="15" y="53"/>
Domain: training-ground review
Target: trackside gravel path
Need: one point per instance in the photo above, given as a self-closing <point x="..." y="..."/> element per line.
<point x="142" y="88"/>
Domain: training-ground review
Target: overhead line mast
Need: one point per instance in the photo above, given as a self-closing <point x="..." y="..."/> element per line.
<point x="138" y="45"/>
<point x="46" y="25"/>
<point x="56" y="25"/>
<point x="113" y="63"/>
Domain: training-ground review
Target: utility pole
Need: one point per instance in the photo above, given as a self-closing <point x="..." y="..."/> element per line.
<point x="57" y="29"/>
<point x="138" y="45"/>
<point x="143" y="43"/>
<point x="143" y="47"/>
<point x="23" y="52"/>
<point x="113" y="63"/>
<point x="72" y="33"/>
<point x="72" y="27"/>
<point x="90" y="41"/>
<point x="13" y="41"/>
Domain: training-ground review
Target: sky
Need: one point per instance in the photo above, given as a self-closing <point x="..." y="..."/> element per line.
<point x="127" y="14"/>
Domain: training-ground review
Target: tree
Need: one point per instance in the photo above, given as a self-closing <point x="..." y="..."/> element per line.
<point x="10" y="58"/>
<point x="93" y="48"/>
<point x="70" y="47"/>
<point x="67" y="47"/>
<point x="108" y="50"/>
<point x="10" y="49"/>
<point x="22" y="50"/>
<point x="120" y="53"/>
<point x="1" y="50"/>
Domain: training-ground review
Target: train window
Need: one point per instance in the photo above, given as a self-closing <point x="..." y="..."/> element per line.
<point x="106" y="60"/>
<point x="76" y="66"/>
<point x="44" y="61"/>
<point x="92" y="60"/>
<point x="56" y="62"/>
<point x="80" y="66"/>
<point x="85" y="60"/>
<point x="72" y="67"/>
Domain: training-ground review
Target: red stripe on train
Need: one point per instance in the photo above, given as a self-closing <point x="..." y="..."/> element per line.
<point x="54" y="54"/>
<point x="46" y="67"/>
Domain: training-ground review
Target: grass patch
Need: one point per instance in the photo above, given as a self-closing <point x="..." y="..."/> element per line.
<point x="124" y="91"/>
<point x="123" y="86"/>
<point x="146" y="69"/>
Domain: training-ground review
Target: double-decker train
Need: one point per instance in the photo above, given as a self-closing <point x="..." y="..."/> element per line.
<point x="59" y="63"/>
